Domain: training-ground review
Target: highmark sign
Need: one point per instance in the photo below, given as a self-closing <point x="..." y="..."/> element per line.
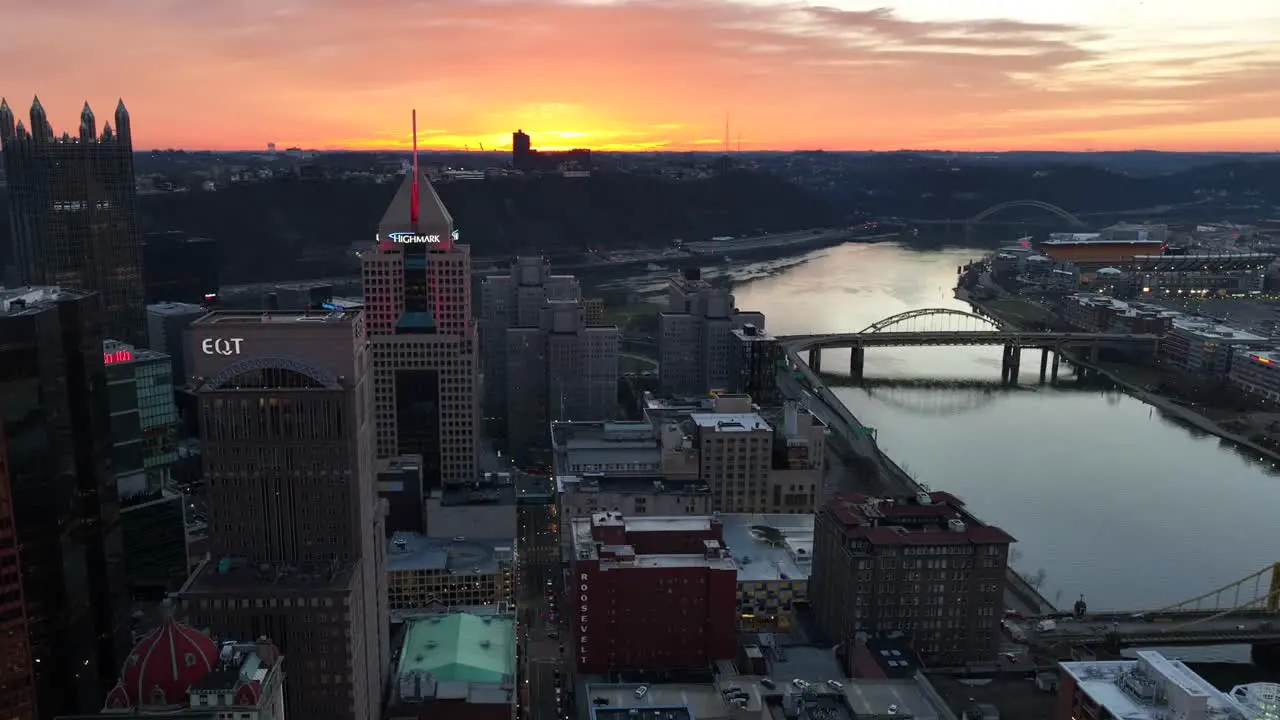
<point x="582" y="618"/>
<point x="221" y="346"/>
<point x="410" y="238"/>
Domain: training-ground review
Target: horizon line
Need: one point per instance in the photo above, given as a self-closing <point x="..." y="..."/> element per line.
<point x="656" y="151"/>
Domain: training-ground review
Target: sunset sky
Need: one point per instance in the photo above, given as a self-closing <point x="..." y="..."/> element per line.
<point x="657" y="74"/>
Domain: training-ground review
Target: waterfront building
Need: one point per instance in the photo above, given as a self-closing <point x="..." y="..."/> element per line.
<point x="56" y="424"/>
<point x="1256" y="374"/>
<point x="753" y="365"/>
<point x="514" y="300"/>
<point x="559" y="369"/>
<point x="1152" y="687"/>
<point x="1116" y="247"/>
<point x="1103" y="314"/>
<point x="73" y="212"/>
<point x="417" y="289"/>
<point x="1202" y="348"/>
<point x="650" y="593"/>
<point x="774" y="556"/>
<point x="695" y="333"/>
<point x="144" y="424"/>
<point x="426" y="573"/>
<point x="884" y="564"/>
<point x="295" y="528"/>
<point x="1201" y="274"/>
<point x="457" y="666"/>
<point x="176" y="672"/>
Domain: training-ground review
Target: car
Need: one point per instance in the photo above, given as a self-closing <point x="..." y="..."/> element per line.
<point x="1011" y="658"/>
<point x="835" y="684"/>
<point x="799" y="684"/>
<point x="641" y="691"/>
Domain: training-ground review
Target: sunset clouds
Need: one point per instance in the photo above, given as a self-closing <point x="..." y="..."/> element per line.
<point x="662" y="74"/>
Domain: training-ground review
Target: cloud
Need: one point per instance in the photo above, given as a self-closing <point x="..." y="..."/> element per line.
<point x="621" y="73"/>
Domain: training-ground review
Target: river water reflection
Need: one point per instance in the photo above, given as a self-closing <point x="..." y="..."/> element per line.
<point x="1107" y="497"/>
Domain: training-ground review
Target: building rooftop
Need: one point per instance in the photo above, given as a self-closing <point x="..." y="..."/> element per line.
<point x="175" y="308"/>
<point x="283" y="318"/>
<point x="936" y="518"/>
<point x="1153" y="687"/>
<point x="769" y="548"/>
<point x="460" y="647"/>
<point x="16" y="301"/>
<point x="630" y="485"/>
<point x="1210" y="329"/>
<point x="408" y="552"/>
<point x="221" y="575"/>
<point x="587" y="547"/>
<point x="678" y="404"/>
<point x="730" y="422"/>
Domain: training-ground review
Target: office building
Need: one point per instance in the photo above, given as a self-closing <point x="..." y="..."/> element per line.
<point x="442" y="573"/>
<point x="695" y="336"/>
<point x="457" y="666"/>
<point x="417" y="287"/>
<point x="295" y="528"/>
<point x="514" y="300"/>
<point x="774" y="555"/>
<point x="144" y="423"/>
<point x="167" y="325"/>
<point x="650" y="593"/>
<point x="179" y="267"/>
<point x="1255" y="374"/>
<point x="754" y="359"/>
<point x="491" y="501"/>
<point x="57" y="428"/>
<point x="624" y="449"/>
<point x="584" y="495"/>
<point x="73" y="212"/>
<point x="923" y="565"/>
<point x="1202" y="348"/>
<point x="176" y="672"/>
<point x="400" y="486"/>
<point x="1100" y="313"/>
<point x="17" y="669"/>
<point x="1153" y="687"/>
<point x="560" y="369"/>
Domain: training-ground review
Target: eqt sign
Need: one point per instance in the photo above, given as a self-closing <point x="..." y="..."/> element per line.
<point x="221" y="346"/>
<point x="582" y="619"/>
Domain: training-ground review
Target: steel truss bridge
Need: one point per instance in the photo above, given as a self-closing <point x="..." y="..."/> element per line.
<point x="943" y="327"/>
<point x="985" y="215"/>
<point x="1246" y="611"/>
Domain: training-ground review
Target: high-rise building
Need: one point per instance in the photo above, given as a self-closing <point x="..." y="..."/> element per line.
<point x="179" y="267"/>
<point x="17" y="666"/>
<point x="886" y="564"/>
<point x="560" y="369"/>
<point x="73" y="212"/>
<point x="297" y="544"/>
<point x="508" y="301"/>
<point x="650" y="593"/>
<point x="753" y="365"/>
<point x="55" y="417"/>
<point x="166" y="333"/>
<point x="417" y="287"/>
<point x="144" y="424"/>
<point x="695" y="336"/>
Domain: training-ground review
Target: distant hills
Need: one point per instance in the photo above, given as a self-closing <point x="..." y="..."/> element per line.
<point x="282" y="229"/>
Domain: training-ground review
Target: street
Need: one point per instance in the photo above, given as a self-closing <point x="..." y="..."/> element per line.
<point x="538" y="589"/>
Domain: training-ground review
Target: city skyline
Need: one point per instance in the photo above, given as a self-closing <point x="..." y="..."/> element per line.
<point x="630" y="75"/>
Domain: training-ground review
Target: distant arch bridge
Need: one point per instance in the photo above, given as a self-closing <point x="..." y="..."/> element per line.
<point x="1037" y="204"/>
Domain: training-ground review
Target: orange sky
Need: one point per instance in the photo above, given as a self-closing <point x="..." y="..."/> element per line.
<point x="658" y="74"/>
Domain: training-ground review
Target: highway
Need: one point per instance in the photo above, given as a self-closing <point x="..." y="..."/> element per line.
<point x="1242" y="628"/>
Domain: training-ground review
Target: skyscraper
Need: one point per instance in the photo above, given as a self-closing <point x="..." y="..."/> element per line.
<point x="559" y="369"/>
<point x="514" y="300"/>
<point x="417" y="288"/>
<point x="57" y="429"/>
<point x="285" y="404"/>
<point x="17" y="666"/>
<point x="695" y="336"/>
<point x="73" y="212"/>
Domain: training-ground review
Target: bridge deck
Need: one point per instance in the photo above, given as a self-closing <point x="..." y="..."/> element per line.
<point x="992" y="337"/>
<point x="1179" y="629"/>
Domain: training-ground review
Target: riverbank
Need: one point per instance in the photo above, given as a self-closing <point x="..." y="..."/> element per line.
<point x="1133" y="379"/>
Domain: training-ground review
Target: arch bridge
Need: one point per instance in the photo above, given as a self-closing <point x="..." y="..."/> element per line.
<point x="941" y="327"/>
<point x="1037" y="204"/>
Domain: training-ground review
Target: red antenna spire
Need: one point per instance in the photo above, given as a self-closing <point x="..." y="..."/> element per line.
<point x="413" y="197"/>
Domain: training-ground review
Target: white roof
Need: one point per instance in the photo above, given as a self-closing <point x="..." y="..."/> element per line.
<point x="730" y="422"/>
<point x="1182" y="692"/>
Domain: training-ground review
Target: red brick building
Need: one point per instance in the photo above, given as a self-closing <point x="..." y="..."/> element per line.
<point x="650" y="593"/>
<point x="922" y="565"/>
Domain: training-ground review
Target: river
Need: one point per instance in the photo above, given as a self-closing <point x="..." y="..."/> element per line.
<point x="1106" y="497"/>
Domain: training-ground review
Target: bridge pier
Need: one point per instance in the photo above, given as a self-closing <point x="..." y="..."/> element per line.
<point x="1094" y="353"/>
<point x="815" y="359"/>
<point x="1044" y="363"/>
<point x="1265" y="655"/>
<point x="1009" y="364"/>
<point x="1057" y="358"/>
<point x="857" y="358"/>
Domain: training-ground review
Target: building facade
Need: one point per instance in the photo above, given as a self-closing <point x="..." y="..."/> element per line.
<point x="297" y="546"/>
<point x="753" y="365"/>
<point x="514" y="300"/>
<point x="1152" y="687"/>
<point x="73" y="212"/>
<point x="57" y="427"/>
<point x="1203" y="349"/>
<point x="652" y="593"/>
<point x="417" y="287"/>
<point x="179" y="267"/>
<point x="560" y="369"/>
<point x="695" y="336"/>
<point x="1256" y="375"/>
<point x="921" y="565"/>
<point x="17" y="666"/>
<point x="453" y="572"/>
<point x="167" y="325"/>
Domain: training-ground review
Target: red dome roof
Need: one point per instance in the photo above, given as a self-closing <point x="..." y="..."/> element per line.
<point x="166" y="663"/>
